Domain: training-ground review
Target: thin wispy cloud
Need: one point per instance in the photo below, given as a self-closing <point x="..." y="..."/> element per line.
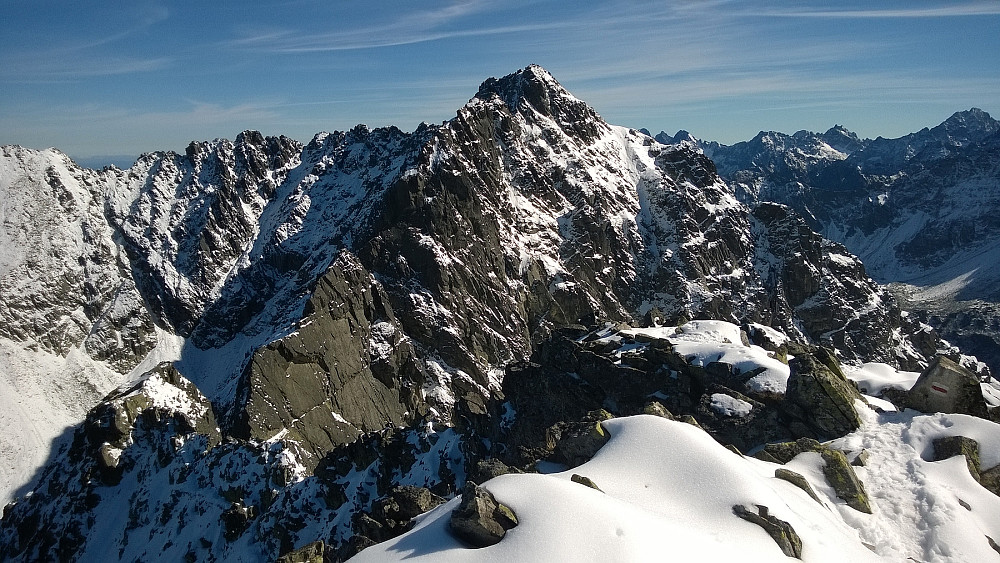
<point x="290" y="42"/>
<point x="45" y="68"/>
<point x="943" y="11"/>
<point x="60" y="57"/>
<point x="404" y="28"/>
<point x="298" y="67"/>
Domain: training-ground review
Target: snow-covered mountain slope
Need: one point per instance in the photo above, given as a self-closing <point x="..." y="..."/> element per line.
<point x="378" y="309"/>
<point x="71" y="321"/>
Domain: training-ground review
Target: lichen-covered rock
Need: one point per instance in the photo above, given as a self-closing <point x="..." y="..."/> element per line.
<point x="486" y="469"/>
<point x="575" y="443"/>
<point x="309" y="553"/>
<point x="480" y="520"/>
<point x="779" y="530"/>
<point x="845" y="482"/>
<point x="655" y="408"/>
<point x="861" y="460"/>
<point x="990" y="479"/>
<point x="403" y="503"/>
<point x="783" y="452"/>
<point x="585" y="481"/>
<point x="819" y="398"/>
<point x="838" y="472"/>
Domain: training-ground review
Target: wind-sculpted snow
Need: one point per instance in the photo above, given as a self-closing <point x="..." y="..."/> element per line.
<point x="665" y="484"/>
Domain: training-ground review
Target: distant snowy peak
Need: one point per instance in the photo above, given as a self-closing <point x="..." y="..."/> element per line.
<point x="680" y="137"/>
<point x="788" y="157"/>
<point x="961" y="130"/>
<point x="842" y="140"/>
<point x="920" y="209"/>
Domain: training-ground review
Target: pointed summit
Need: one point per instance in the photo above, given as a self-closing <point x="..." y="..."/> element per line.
<point x="532" y="84"/>
<point x="969" y="126"/>
<point x="533" y="90"/>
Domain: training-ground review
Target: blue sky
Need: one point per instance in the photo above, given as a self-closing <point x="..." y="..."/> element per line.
<point x="97" y="78"/>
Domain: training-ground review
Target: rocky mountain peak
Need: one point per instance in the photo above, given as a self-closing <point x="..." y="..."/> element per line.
<point x="680" y="137"/>
<point x="533" y="88"/>
<point x="843" y="140"/>
<point x="968" y="126"/>
<point x="380" y="309"/>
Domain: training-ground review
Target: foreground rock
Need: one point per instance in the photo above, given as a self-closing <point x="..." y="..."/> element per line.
<point x="950" y="446"/>
<point x="480" y="520"/>
<point x="838" y="472"/>
<point x="782" y="532"/>
<point x="819" y="397"/>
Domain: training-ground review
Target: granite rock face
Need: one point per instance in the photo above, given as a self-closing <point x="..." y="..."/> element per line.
<point x="346" y="371"/>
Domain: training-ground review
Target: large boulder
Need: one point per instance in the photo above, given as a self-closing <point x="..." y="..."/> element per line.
<point x="946" y="386"/>
<point x="819" y="399"/>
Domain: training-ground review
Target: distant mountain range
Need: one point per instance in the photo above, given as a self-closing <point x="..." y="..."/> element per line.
<point x="921" y="210"/>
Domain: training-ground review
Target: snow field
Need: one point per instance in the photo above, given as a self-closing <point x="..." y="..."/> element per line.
<point x="669" y="489"/>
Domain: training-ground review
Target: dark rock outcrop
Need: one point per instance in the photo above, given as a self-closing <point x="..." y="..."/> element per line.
<point x="950" y="446"/>
<point x="819" y="398"/>
<point x="347" y="370"/>
<point x="480" y="520"/>
<point x="309" y="553"/>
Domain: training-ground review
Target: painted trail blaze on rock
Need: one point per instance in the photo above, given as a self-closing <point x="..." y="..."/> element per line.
<point x="946" y="386"/>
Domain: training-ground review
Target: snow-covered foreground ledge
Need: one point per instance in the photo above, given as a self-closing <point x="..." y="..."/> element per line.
<point x="669" y="491"/>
